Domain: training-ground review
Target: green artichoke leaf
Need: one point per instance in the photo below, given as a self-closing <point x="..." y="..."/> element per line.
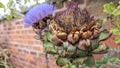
<point x="81" y="53"/>
<point x="71" y="49"/>
<point x="74" y="66"/>
<point x="62" y="61"/>
<point x="102" y="49"/>
<point x="80" y="60"/>
<point x="65" y="45"/>
<point x="95" y="44"/>
<point x="58" y="48"/>
<point x="48" y="35"/>
<point x="90" y="61"/>
<point x="49" y="47"/>
<point x="103" y="35"/>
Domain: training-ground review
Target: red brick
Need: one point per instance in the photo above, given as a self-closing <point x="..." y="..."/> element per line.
<point x="37" y="48"/>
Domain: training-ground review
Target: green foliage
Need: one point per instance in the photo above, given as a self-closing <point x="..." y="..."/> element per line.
<point x="14" y="13"/>
<point x="10" y="3"/>
<point x="103" y="35"/>
<point x="117" y="40"/>
<point x="105" y="60"/>
<point x="62" y="61"/>
<point x="117" y="11"/>
<point x="90" y="61"/>
<point x="109" y="8"/>
<point x="1" y="5"/>
<point x="80" y="60"/>
<point x="114" y="12"/>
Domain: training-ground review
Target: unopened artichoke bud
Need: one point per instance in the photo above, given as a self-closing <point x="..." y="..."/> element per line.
<point x="82" y="45"/>
<point x="56" y="41"/>
<point x="96" y="33"/>
<point x="73" y="38"/>
<point x="62" y="36"/>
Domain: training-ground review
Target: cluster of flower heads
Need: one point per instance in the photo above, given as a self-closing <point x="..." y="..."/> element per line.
<point x="72" y="35"/>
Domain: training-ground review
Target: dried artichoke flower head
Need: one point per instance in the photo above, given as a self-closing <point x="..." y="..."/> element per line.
<point x="73" y="18"/>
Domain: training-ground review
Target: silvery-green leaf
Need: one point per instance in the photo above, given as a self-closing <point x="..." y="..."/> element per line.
<point x="49" y="47"/>
<point x="95" y="44"/>
<point x="81" y="53"/>
<point x="71" y="49"/>
<point x="103" y="35"/>
<point x="101" y="49"/>
<point x="90" y="61"/>
<point x="48" y="35"/>
<point x="80" y="60"/>
<point x="62" y="61"/>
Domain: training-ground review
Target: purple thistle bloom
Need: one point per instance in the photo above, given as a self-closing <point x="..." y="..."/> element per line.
<point x="37" y="13"/>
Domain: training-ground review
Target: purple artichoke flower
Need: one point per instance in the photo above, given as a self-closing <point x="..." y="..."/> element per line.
<point x="37" y="13"/>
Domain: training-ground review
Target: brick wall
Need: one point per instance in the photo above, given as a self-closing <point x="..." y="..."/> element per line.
<point x="27" y="52"/>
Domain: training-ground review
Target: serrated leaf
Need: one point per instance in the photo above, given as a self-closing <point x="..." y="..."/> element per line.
<point x="1" y="5"/>
<point x="90" y="61"/>
<point x="80" y="60"/>
<point x="115" y="30"/>
<point x="103" y="35"/>
<point x="10" y="3"/>
<point x="117" y="11"/>
<point x="109" y="8"/>
<point x="62" y="61"/>
<point x="117" y="40"/>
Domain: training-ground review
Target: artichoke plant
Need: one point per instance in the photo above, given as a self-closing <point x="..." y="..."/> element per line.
<point x="72" y="37"/>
